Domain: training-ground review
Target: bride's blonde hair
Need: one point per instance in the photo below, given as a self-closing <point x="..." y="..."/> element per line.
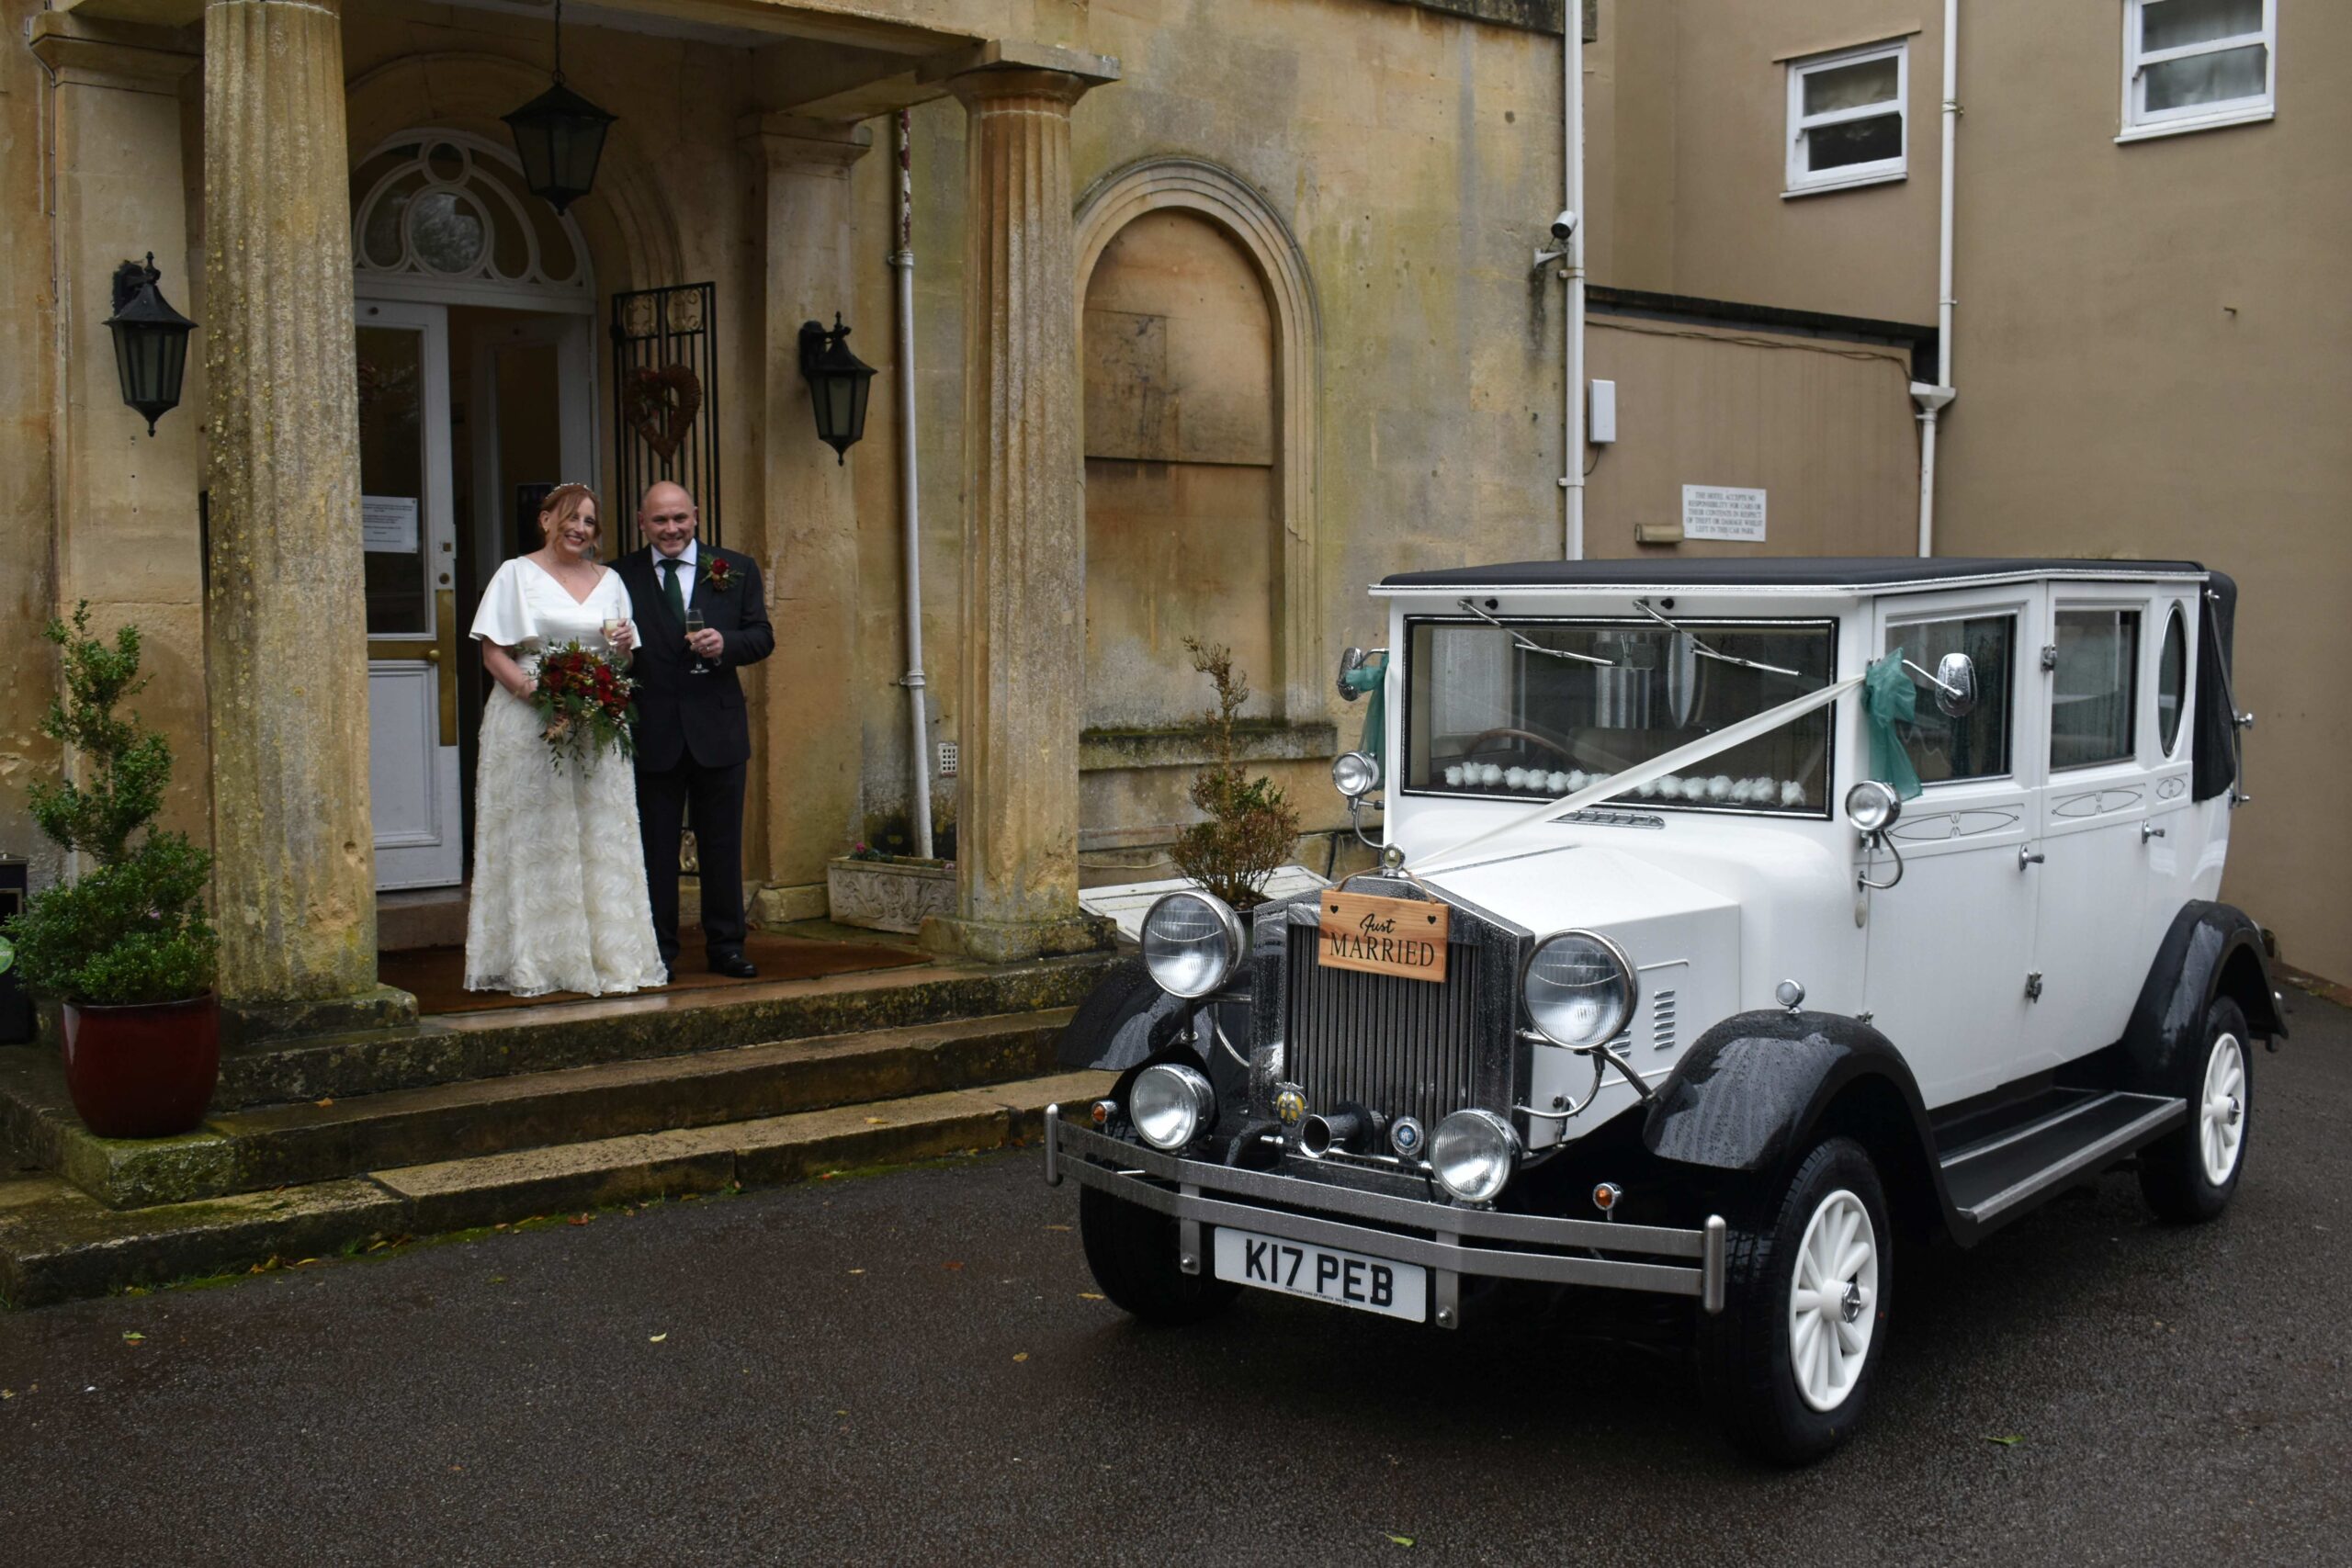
<point x="562" y="504"/>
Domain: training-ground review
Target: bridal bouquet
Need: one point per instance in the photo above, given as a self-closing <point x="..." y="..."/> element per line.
<point x="584" y="701"/>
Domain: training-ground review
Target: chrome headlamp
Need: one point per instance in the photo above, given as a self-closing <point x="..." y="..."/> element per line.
<point x="1355" y="774"/>
<point x="1473" y="1154"/>
<point x="1579" y="989"/>
<point x="1168" y="1105"/>
<point x="1192" y="944"/>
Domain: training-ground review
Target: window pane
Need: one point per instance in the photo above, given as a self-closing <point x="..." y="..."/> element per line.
<point x="1976" y="747"/>
<point x="2174" y="23"/>
<point x="2090" y="716"/>
<point x="1853" y="141"/>
<point x="1852" y="86"/>
<point x="2220" y="78"/>
<point x="1486" y="716"/>
<point x="391" y="475"/>
<point x="2172" y="680"/>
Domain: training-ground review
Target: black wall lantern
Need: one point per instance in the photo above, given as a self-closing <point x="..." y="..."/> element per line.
<point x="560" y="135"/>
<point x="150" y="341"/>
<point x="838" y="383"/>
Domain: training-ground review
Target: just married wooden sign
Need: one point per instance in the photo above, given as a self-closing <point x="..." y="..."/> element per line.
<point x="1403" y="936"/>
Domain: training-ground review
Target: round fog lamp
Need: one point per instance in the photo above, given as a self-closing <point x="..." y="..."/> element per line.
<point x="1872" y="805"/>
<point x="1473" y="1153"/>
<point x="1191" y="944"/>
<point x="1168" y="1105"/>
<point x="1355" y="774"/>
<point x="1579" y="989"/>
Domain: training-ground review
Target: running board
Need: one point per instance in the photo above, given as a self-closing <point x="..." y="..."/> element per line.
<point x="1987" y="1179"/>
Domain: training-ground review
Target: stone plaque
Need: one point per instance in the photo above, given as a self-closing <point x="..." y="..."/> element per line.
<point x="1403" y="936"/>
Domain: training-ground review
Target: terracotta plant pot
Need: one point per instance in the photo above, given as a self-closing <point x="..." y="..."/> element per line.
<point x="143" y="1071"/>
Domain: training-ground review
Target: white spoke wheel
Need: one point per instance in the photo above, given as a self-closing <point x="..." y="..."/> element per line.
<point x="2188" y="1174"/>
<point x="1833" y="1295"/>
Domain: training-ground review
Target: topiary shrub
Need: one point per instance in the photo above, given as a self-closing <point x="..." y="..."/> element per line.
<point x="131" y="926"/>
<point x="1251" y="826"/>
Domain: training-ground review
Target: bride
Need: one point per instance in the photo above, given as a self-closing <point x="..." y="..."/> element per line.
<point x="558" y="887"/>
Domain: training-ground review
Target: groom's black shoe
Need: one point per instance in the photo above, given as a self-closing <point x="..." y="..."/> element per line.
<point x="734" y="965"/>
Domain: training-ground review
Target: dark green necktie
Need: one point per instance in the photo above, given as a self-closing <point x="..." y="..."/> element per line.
<point x="670" y="566"/>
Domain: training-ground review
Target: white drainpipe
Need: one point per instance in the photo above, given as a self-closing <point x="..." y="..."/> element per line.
<point x="1572" y="482"/>
<point x="1933" y="399"/>
<point x="919" y="727"/>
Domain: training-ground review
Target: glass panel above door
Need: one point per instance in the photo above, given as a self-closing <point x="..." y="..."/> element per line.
<point x="391" y="481"/>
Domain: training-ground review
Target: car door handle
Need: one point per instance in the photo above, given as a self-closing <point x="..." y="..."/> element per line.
<point x="2026" y="857"/>
<point x="2149" y="830"/>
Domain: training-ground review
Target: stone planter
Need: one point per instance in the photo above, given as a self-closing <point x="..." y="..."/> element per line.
<point x="890" y="895"/>
<point x="143" y="1071"/>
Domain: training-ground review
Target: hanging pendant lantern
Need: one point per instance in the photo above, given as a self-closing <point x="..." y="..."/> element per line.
<point x="838" y="384"/>
<point x="559" y="136"/>
<point x="150" y="341"/>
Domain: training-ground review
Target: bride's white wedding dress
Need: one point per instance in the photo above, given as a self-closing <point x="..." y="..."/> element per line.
<point x="558" y="887"/>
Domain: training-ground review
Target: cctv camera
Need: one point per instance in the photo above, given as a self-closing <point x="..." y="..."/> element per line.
<point x="1563" y="225"/>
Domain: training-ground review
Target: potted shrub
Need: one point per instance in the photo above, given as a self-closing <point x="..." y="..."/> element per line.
<point x="1251" y="824"/>
<point x="883" y="886"/>
<point x="124" y="947"/>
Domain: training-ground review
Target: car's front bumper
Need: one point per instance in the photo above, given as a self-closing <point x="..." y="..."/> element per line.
<point x="1448" y="1241"/>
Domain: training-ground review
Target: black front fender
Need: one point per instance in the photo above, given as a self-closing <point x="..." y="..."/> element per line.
<point x="2212" y="949"/>
<point x="1748" y="1093"/>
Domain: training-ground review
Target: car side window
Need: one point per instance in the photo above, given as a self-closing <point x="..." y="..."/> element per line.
<point x="2172" y="680"/>
<point x="1977" y="746"/>
<point x="2092" y="697"/>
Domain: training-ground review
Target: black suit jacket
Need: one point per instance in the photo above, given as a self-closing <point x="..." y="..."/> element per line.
<point x="680" y="715"/>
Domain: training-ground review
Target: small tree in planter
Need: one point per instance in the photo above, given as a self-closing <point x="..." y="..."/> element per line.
<point x="1251" y="825"/>
<point x="124" y="947"/>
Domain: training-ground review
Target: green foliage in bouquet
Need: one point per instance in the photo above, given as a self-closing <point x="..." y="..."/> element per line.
<point x="132" y="928"/>
<point x="1251" y="826"/>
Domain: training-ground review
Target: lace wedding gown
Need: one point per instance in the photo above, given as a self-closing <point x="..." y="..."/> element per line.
<point x="558" y="889"/>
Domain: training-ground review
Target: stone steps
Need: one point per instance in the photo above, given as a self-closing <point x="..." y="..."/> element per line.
<point x="58" y="1243"/>
<point x="302" y="1143"/>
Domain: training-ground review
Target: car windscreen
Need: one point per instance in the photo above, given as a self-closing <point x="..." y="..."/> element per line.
<point x="1515" y="710"/>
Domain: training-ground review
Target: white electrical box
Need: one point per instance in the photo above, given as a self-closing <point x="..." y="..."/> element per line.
<point x="1601" y="425"/>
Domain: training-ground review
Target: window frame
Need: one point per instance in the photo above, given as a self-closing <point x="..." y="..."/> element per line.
<point x="2138" y="124"/>
<point x="2135" y="670"/>
<point x="1801" y="180"/>
<point x="2012" y="611"/>
<point x="2175" y="619"/>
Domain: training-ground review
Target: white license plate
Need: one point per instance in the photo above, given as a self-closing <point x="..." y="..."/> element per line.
<point x="1327" y="1274"/>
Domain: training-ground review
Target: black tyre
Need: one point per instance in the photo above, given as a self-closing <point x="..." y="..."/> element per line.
<point x="2188" y="1174"/>
<point x="1789" y="1361"/>
<point x="1133" y="1252"/>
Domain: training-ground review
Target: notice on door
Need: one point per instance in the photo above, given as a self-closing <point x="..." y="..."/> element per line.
<point x="387" y="525"/>
<point x="1710" y="511"/>
<point x="1404" y="937"/>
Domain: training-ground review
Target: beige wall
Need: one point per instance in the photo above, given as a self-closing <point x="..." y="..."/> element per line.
<point x="2150" y="348"/>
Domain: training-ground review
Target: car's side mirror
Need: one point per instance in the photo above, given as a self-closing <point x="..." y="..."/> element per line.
<point x="1350" y="662"/>
<point x="1955" y="685"/>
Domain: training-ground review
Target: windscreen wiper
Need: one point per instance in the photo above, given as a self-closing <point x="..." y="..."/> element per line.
<point x="1704" y="652"/>
<point x="1535" y="647"/>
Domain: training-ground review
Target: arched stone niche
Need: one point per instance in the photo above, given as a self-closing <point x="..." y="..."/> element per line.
<point x="1236" y="319"/>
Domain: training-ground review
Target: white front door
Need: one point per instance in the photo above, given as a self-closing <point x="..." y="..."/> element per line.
<point x="409" y="541"/>
<point x="1951" y="945"/>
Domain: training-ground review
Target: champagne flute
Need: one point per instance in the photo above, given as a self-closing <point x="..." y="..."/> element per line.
<point x="612" y="629"/>
<point x="695" y="623"/>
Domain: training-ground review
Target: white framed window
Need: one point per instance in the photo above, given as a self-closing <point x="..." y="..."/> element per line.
<point x="2195" y="64"/>
<point x="1849" y="118"/>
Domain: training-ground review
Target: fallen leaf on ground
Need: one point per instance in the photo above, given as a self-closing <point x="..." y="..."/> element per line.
<point x="498" y="1278"/>
<point x="858" y="1271"/>
<point x="2004" y="1442"/>
<point x="951" y="1266"/>
<point x="455" y="1468"/>
<point x="1090" y="1295"/>
<point x="657" y="1339"/>
<point x="1021" y="1354"/>
<point x="130" y="1336"/>
<point x="874" y="1120"/>
<point x="322" y="1104"/>
<point x="1058" y="1227"/>
<point x="580" y="1219"/>
<point x="1402" y="1540"/>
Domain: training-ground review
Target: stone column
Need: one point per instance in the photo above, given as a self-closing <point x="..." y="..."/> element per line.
<point x="814" y="703"/>
<point x="1025" y="516"/>
<point x="295" y="881"/>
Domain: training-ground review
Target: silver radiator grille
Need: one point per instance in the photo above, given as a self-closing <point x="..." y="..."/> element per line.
<point x="1396" y="1047"/>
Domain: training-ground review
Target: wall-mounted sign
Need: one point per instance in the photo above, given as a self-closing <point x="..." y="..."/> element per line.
<point x="1710" y="511"/>
<point x="1404" y="937"/>
<point x="387" y="525"/>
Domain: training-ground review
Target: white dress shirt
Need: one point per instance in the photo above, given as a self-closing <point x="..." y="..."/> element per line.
<point x="685" y="569"/>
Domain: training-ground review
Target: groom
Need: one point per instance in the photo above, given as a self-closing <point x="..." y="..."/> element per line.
<point x="694" y="742"/>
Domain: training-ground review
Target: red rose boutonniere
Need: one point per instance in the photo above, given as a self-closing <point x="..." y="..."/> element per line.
<point x="718" y="575"/>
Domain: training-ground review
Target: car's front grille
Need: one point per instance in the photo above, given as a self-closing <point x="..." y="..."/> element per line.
<point x="1396" y="1047"/>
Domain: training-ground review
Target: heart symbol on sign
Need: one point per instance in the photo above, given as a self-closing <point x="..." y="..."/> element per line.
<point x="661" y="406"/>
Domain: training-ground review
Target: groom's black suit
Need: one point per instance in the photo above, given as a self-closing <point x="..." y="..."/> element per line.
<point x="694" y="740"/>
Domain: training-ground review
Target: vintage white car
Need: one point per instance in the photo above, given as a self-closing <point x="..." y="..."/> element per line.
<point x="1740" y="925"/>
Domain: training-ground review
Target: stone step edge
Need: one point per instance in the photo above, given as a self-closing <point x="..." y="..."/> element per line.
<point x="60" y="1245"/>
<point x="229" y="1154"/>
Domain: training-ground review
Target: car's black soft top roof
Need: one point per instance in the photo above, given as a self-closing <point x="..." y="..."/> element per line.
<point x="1769" y="571"/>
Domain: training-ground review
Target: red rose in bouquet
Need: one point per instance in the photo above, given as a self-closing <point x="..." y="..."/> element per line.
<point x="585" y="704"/>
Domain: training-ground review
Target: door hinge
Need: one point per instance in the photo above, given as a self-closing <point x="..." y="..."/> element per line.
<point x="2033" y="986"/>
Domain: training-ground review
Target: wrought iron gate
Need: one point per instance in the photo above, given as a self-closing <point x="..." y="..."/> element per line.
<point x="665" y="399"/>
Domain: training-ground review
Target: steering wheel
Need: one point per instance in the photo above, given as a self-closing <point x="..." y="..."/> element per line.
<point x="1479" y="743"/>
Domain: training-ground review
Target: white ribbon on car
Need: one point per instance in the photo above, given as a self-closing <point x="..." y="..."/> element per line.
<point x="1674" y="761"/>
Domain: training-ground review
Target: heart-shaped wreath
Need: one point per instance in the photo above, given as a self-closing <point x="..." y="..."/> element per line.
<point x="660" y="406"/>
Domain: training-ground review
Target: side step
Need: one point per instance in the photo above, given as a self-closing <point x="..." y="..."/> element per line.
<point x="1988" y="1178"/>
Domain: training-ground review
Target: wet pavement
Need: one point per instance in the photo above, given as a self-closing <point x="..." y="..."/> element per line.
<point x="908" y="1368"/>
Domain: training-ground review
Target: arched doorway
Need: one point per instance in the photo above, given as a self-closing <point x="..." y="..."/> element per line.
<point x="474" y="308"/>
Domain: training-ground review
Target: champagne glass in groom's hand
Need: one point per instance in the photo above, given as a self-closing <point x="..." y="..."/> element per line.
<point x="694" y="623"/>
